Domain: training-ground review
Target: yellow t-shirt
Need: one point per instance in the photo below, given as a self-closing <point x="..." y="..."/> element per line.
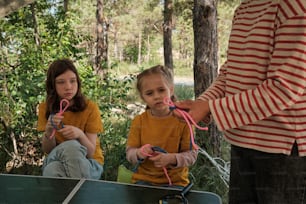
<point x="88" y="120"/>
<point x="170" y="134"/>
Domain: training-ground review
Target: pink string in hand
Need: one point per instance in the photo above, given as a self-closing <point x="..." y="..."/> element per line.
<point x="188" y="120"/>
<point x="150" y="155"/>
<point x="62" y="110"/>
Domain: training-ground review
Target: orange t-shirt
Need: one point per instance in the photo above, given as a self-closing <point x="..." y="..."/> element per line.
<point x="167" y="133"/>
<point x="88" y="120"/>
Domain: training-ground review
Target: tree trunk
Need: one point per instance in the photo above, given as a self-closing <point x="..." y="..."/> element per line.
<point x="101" y="60"/>
<point x="205" y="58"/>
<point x="66" y="2"/>
<point x="148" y="49"/>
<point x="35" y="25"/>
<point x="139" y="48"/>
<point x="167" y="29"/>
<point x="116" y="51"/>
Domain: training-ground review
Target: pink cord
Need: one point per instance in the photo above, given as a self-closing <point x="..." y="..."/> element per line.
<point x="150" y="155"/>
<point x="62" y="110"/>
<point x="188" y="120"/>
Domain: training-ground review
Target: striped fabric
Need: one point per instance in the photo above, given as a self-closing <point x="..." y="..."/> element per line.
<point x="259" y="97"/>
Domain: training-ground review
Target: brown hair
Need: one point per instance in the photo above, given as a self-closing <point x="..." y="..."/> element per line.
<point x="57" y="68"/>
<point x="158" y="69"/>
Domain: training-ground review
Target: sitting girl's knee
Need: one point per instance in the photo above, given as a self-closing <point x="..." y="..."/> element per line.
<point x="73" y="148"/>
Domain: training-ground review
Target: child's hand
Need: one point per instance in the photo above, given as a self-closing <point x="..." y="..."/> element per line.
<point x="55" y="121"/>
<point x="144" y="151"/>
<point x="71" y="132"/>
<point x="163" y="160"/>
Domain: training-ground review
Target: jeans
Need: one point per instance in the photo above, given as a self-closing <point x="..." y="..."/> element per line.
<point x="264" y="178"/>
<point x="68" y="159"/>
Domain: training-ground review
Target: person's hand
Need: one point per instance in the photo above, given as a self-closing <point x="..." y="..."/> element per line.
<point x="163" y="159"/>
<point x="144" y="151"/>
<point x="53" y="121"/>
<point x="70" y="132"/>
<point x="197" y="109"/>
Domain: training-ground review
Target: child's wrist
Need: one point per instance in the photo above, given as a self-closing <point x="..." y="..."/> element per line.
<point x="48" y="136"/>
<point x="173" y="160"/>
<point x="139" y="156"/>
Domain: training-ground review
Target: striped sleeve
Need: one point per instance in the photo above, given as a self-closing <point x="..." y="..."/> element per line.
<point x="266" y="65"/>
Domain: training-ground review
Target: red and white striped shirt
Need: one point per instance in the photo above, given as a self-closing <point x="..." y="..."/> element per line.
<point x="259" y="97"/>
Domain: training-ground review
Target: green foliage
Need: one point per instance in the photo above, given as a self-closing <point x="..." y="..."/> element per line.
<point x="206" y="177"/>
<point x="204" y="173"/>
<point x="131" y="53"/>
<point x="183" y="8"/>
<point x="184" y="91"/>
<point x="113" y="143"/>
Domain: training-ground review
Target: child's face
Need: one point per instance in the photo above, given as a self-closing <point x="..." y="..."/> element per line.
<point x="66" y="85"/>
<point x="154" y="89"/>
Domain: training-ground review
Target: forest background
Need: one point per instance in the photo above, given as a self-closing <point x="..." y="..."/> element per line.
<point x="37" y="34"/>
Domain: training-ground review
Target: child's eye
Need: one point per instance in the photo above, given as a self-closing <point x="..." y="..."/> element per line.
<point x="60" y="82"/>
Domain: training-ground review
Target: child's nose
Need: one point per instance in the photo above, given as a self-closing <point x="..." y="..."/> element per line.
<point x="157" y="95"/>
<point x="68" y="85"/>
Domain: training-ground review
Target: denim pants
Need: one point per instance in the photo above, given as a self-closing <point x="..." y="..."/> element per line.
<point x="264" y="178"/>
<point x="68" y="159"/>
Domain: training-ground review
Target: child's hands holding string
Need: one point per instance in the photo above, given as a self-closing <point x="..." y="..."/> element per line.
<point x="144" y="151"/>
<point x="163" y="160"/>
